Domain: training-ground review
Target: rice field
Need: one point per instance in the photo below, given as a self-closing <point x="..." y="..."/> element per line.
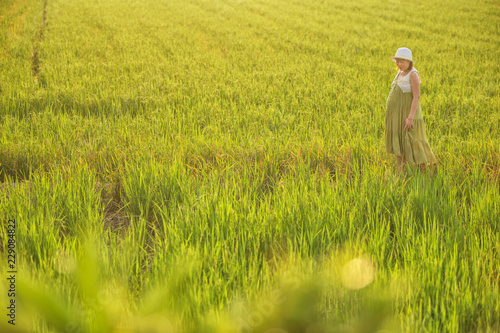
<point x="219" y="166"/>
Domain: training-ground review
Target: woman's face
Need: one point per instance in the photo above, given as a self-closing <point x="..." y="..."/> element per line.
<point x="402" y="64"/>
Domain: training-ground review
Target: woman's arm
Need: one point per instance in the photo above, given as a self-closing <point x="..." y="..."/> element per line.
<point x="415" y="90"/>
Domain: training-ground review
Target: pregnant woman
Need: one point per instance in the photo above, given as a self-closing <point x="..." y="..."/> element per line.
<point x="404" y="126"/>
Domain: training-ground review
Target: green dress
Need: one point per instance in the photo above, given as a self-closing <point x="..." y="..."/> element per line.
<point x="411" y="145"/>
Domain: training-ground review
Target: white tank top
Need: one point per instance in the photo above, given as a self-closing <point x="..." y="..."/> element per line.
<point x="404" y="84"/>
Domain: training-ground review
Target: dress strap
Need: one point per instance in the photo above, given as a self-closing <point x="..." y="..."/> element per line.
<point x="407" y="75"/>
<point x="404" y="83"/>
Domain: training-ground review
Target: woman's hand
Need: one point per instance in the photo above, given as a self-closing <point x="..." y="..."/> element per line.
<point x="408" y="124"/>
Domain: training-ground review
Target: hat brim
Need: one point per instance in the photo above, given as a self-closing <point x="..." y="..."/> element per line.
<point x="401" y="57"/>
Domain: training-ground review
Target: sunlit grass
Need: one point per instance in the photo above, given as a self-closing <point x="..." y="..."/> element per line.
<point x="219" y="166"/>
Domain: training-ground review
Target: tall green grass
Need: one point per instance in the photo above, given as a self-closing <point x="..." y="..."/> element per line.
<point x="219" y="165"/>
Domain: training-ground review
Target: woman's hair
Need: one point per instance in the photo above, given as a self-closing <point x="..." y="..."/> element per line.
<point x="411" y="66"/>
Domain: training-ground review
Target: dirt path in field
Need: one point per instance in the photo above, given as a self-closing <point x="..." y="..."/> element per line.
<point x="35" y="60"/>
<point x="114" y="215"/>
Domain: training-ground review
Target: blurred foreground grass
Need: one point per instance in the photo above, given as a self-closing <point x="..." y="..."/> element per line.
<point x="233" y="233"/>
<point x="219" y="166"/>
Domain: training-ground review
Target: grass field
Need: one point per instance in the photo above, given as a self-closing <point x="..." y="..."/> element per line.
<point x="219" y="166"/>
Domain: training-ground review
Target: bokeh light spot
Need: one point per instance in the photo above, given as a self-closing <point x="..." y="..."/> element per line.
<point x="358" y="273"/>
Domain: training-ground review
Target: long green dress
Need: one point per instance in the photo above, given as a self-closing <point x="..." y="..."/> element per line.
<point x="411" y="145"/>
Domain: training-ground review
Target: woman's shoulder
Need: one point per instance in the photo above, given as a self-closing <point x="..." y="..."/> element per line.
<point x="414" y="74"/>
<point x="413" y="71"/>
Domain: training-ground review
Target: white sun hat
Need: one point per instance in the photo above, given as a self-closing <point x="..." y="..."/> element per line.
<point x="403" y="53"/>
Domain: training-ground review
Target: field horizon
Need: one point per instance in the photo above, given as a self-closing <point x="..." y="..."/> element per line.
<point x="219" y="166"/>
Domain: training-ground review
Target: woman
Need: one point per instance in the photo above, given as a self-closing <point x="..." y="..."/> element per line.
<point x="404" y="126"/>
